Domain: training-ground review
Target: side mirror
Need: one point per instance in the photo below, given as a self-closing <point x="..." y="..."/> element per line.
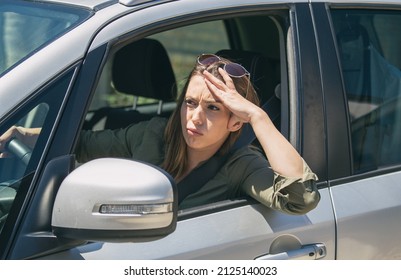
<point x="115" y="200"/>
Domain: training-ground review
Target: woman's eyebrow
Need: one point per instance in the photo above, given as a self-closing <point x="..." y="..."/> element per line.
<point x="208" y="101"/>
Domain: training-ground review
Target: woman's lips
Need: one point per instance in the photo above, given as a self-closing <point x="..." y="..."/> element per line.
<point x="194" y="132"/>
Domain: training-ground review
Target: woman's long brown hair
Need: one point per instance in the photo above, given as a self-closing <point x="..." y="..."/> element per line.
<point x="175" y="161"/>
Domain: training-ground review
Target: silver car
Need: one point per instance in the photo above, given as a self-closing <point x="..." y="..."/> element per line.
<point x="327" y="72"/>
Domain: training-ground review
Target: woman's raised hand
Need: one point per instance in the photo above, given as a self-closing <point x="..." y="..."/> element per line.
<point x="225" y="92"/>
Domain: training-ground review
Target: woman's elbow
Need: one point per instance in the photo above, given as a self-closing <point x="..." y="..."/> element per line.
<point x="309" y="202"/>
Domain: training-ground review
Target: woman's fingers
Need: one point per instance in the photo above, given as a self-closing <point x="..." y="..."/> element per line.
<point x="4" y="138"/>
<point x="227" y="79"/>
<point x="226" y="85"/>
<point x="228" y="95"/>
<point x="218" y="87"/>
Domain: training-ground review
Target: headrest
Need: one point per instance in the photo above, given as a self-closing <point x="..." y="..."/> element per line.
<point x="259" y="67"/>
<point x="143" y="68"/>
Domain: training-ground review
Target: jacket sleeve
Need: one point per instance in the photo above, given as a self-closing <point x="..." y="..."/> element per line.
<point x="295" y="196"/>
<point x="141" y="141"/>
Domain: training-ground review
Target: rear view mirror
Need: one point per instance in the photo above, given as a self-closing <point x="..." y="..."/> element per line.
<point x="115" y="200"/>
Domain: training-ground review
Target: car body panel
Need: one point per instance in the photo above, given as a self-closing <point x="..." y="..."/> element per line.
<point x="357" y="217"/>
<point x="367" y="213"/>
<point x="238" y="233"/>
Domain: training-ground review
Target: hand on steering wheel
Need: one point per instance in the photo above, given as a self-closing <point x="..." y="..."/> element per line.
<point x="19" y="141"/>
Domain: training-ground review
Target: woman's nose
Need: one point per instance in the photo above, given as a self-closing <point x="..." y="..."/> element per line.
<point x="198" y="115"/>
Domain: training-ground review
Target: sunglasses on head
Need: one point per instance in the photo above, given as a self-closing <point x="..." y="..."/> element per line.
<point x="234" y="70"/>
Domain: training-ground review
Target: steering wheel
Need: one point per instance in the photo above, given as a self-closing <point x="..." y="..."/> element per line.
<point x="20" y="150"/>
<point x="9" y="188"/>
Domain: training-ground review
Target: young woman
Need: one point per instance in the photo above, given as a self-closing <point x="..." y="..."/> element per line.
<point x="217" y="100"/>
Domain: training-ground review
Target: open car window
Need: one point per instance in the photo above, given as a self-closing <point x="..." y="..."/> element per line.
<point x="142" y="77"/>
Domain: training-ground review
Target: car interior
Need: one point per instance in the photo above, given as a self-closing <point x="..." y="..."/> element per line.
<point x="135" y="71"/>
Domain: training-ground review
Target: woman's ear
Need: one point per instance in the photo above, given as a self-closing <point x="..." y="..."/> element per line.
<point x="234" y="124"/>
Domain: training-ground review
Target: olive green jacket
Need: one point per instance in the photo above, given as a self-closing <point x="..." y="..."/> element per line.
<point x="246" y="172"/>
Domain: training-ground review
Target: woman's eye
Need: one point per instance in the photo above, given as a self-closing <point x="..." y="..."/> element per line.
<point x="190" y="103"/>
<point x="213" y="108"/>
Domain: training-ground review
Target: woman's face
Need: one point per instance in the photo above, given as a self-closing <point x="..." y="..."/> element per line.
<point x="204" y="121"/>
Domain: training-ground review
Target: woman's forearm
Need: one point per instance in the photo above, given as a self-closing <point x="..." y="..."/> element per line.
<point x="283" y="157"/>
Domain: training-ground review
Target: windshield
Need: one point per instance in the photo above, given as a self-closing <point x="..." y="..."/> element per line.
<point x="26" y="27"/>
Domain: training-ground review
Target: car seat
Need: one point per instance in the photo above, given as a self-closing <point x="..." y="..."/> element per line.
<point x="140" y="69"/>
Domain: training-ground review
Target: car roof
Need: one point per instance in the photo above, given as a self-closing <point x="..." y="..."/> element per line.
<point x="99" y="4"/>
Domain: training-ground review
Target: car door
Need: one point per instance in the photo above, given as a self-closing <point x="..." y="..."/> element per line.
<point x="35" y="81"/>
<point x="242" y="228"/>
<point x="362" y="104"/>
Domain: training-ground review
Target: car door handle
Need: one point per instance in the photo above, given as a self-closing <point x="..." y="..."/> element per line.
<point x="307" y="252"/>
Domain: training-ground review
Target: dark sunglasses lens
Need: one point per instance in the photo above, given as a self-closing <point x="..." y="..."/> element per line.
<point x="235" y="70"/>
<point x="208" y="59"/>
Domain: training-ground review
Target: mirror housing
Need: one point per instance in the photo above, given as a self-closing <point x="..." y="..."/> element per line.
<point x="115" y="200"/>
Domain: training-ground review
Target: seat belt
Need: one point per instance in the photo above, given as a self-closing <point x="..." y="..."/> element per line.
<point x="198" y="177"/>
